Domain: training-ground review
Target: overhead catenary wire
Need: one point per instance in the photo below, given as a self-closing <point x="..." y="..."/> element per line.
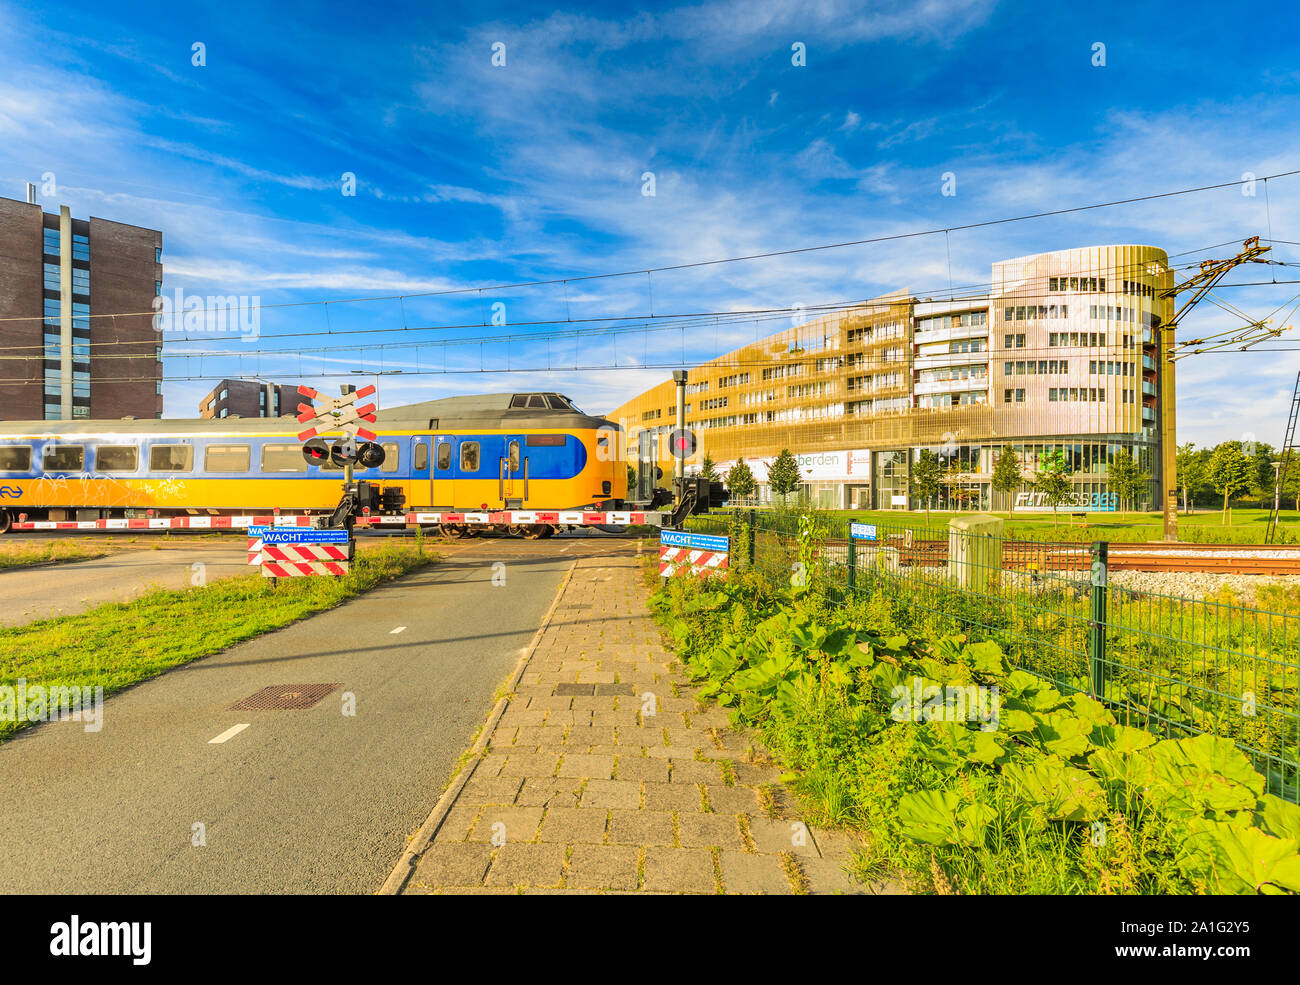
<point x="976" y="293"/>
<point x="771" y="254"/>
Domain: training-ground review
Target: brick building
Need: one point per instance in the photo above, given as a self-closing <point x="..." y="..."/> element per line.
<point x="77" y="335"/>
<point x="249" y="398"/>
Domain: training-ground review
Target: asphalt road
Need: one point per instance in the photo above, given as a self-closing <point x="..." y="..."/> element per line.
<point x="72" y="587"/>
<point x="135" y="567"/>
<point x="309" y="801"/>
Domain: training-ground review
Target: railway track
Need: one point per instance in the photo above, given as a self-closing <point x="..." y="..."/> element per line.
<point x="1238" y="559"/>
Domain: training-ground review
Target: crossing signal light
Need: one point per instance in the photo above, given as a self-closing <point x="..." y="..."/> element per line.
<point x="682" y="443"/>
<point x="316" y="451"/>
<point x="370" y="455"/>
<point x="339" y="454"/>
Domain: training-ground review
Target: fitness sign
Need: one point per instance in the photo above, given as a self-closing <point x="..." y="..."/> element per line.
<point x="1096" y="502"/>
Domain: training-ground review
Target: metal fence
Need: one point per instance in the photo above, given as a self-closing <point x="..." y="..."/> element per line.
<point x="1177" y="666"/>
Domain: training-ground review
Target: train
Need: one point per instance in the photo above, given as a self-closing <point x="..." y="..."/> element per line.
<point x="485" y="452"/>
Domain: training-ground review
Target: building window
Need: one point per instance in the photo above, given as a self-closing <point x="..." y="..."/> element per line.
<point x="80" y="280"/>
<point x="157" y="254"/>
<point x="157" y="288"/>
<point x="52" y="277"/>
<point x="80" y="247"/>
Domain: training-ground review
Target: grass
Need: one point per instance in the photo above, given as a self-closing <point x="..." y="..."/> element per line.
<point x="16" y="554"/>
<point x="852" y="765"/>
<point x="1246" y="526"/>
<point x="119" y="644"/>
<point x="1174" y="664"/>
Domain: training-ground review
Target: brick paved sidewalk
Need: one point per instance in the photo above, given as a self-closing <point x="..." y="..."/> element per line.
<point x="602" y="775"/>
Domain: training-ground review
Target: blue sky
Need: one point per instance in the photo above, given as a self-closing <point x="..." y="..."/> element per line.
<point x="470" y="175"/>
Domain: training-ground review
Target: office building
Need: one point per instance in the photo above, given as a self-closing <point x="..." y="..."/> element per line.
<point x="1061" y="354"/>
<point x="76" y="316"/>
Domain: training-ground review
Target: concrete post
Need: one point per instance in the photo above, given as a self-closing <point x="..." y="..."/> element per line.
<point x="974" y="551"/>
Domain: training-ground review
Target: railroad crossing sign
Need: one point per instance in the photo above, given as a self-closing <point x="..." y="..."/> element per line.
<point x="339" y="414"/>
<point x="681" y="553"/>
<point x="282" y="552"/>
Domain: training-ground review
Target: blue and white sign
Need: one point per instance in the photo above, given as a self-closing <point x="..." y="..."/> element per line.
<point x="298" y="535"/>
<point x="862" y="531"/>
<point x="695" y="542"/>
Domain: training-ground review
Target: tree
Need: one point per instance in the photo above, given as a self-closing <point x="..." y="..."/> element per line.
<point x="1053" y="481"/>
<point x="1126" y="478"/>
<point x="952" y="478"/>
<point x="1229" y="472"/>
<point x="1261" y="466"/>
<point x="707" y="468"/>
<point x="927" y="478"/>
<point x="1190" y="467"/>
<point x="1006" y="474"/>
<point x="783" y="476"/>
<point x="631" y="480"/>
<point x="740" y="481"/>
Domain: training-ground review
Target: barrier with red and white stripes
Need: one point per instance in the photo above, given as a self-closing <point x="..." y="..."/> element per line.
<point x="291" y="553"/>
<point x="571" y="518"/>
<point x="510" y="518"/>
<point x="167" y="523"/>
<point x="682" y="553"/>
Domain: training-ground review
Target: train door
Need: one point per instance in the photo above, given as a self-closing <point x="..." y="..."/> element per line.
<point x="420" y="494"/>
<point x="513" y="473"/>
<point x="443" y="471"/>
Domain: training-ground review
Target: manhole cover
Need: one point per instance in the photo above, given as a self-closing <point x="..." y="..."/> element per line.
<point x="284" y="697"/>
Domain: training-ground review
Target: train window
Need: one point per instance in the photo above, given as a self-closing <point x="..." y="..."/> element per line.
<point x="171" y="458"/>
<point x="390" y="459"/>
<point x="541" y="440"/>
<point x="63" y="458"/>
<point x="537" y="400"/>
<point x="444" y="455"/>
<point x="519" y="400"/>
<point x="226" y="458"/>
<point x="283" y="458"/>
<point x="421" y="457"/>
<point x="15" y="458"/>
<point x="514" y="456"/>
<point x="557" y="402"/>
<point x="469" y="456"/>
<point x="117" y="458"/>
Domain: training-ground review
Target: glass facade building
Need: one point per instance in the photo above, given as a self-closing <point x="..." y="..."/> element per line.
<point x="1061" y="355"/>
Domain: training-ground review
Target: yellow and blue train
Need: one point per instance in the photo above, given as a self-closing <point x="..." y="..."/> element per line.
<point x="511" y="451"/>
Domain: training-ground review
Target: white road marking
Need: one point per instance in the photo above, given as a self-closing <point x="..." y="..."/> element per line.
<point x="229" y="733"/>
<point x="399" y="629"/>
